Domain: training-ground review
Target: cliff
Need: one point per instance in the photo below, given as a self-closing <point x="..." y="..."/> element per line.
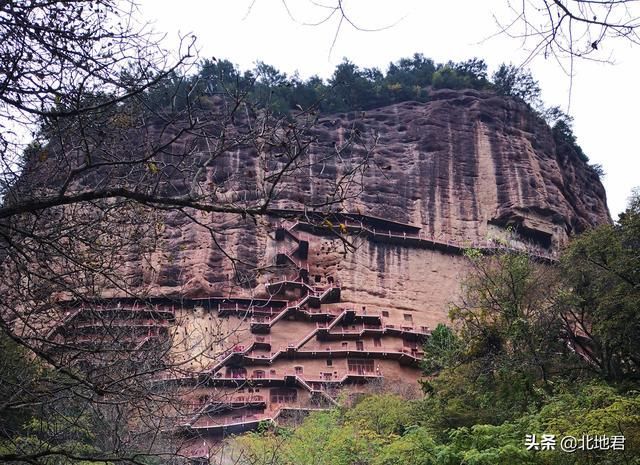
<point x="461" y="167"/>
<point x="303" y="312"/>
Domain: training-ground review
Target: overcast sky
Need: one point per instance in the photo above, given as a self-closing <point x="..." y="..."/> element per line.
<point x="605" y="98"/>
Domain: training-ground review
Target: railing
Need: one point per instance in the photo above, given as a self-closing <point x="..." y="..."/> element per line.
<point x="248" y="309"/>
<point x="358" y="329"/>
<point x="300" y="283"/>
<point x="133" y="308"/>
<point x="122" y="323"/>
<point x="239" y="349"/>
<point x="415" y="354"/>
<point x="111" y="339"/>
<point x="361" y="329"/>
<point x="310" y="384"/>
<point x="298" y="304"/>
<point x="163" y="376"/>
<point x="228" y="422"/>
<point x="249" y="419"/>
<point x="300" y="263"/>
<point x="239" y="399"/>
<point x="452" y="242"/>
<point x="465" y="244"/>
<point x="68" y="316"/>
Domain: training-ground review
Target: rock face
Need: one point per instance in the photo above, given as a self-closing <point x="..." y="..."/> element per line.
<point x="442" y="175"/>
<point x="461" y="167"/>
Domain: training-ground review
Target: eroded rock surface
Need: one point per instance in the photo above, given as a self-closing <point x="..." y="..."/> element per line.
<point x="462" y="166"/>
<point x="287" y="306"/>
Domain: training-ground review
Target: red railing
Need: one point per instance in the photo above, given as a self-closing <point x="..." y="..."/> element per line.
<point x="452" y="242"/>
<point x="461" y="244"/>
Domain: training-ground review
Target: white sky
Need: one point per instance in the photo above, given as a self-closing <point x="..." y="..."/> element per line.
<point x="604" y="98"/>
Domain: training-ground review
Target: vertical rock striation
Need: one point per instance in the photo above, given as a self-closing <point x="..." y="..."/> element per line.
<point x="309" y="317"/>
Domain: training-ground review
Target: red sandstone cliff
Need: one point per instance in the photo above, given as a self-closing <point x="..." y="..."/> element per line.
<point x="281" y="308"/>
<point x="462" y="166"/>
<point x="458" y="168"/>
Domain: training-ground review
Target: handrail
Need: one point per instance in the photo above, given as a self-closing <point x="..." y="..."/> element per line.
<point x="247" y="419"/>
<point x="449" y="242"/>
<point x="244" y="352"/>
<point x="257" y="398"/>
<point x="68" y="317"/>
<point x="227" y="354"/>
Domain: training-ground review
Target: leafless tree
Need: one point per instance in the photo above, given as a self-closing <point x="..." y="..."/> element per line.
<point x="572" y="28"/>
<point x="106" y="172"/>
<point x="558" y="29"/>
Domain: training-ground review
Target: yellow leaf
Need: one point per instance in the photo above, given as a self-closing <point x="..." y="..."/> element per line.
<point x="153" y="168"/>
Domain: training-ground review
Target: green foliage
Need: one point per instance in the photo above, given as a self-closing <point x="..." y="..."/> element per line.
<point x="352" y="436"/>
<point x="596" y="408"/>
<point x="448" y="78"/>
<point x="60" y="441"/>
<point x="461" y="398"/>
<point x="602" y="267"/>
<point x="352" y="88"/>
<point x="342" y="438"/>
<point x="509" y="324"/>
<point x="41" y="423"/>
<point x="517" y="83"/>
<point x="411" y="72"/>
<point x="506" y="371"/>
<point x="479" y="445"/>
<point x="566" y="141"/>
<point x="349" y="88"/>
<point x="222" y="76"/>
<point x="442" y="349"/>
<point x="33" y="421"/>
<point x="487" y="445"/>
<point x="562" y="130"/>
<point x="475" y="70"/>
<point x="311" y="443"/>
<point x="16" y="379"/>
<point x="383" y="414"/>
<point x="262" y="447"/>
<point x="597" y="169"/>
<point x="470" y="74"/>
<point x="415" y="447"/>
